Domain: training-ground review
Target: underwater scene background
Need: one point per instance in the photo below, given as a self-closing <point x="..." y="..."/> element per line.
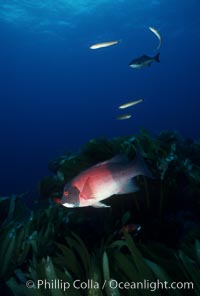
<point x="60" y="116"/>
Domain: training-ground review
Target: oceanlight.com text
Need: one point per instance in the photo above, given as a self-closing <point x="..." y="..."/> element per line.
<point x="113" y="284"/>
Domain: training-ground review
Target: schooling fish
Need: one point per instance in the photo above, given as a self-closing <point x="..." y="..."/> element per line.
<point x="104" y="44"/>
<point x="129" y="104"/>
<point x="124" y="116"/>
<point x="144" y="61"/>
<point x="103" y="180"/>
<point x="153" y="30"/>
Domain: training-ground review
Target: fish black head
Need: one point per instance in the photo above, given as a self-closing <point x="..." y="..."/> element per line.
<point x="70" y="198"/>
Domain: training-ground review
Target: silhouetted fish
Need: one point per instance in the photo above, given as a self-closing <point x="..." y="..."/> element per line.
<point x="144" y="61"/>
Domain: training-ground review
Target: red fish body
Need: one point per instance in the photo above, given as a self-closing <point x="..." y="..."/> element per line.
<point x="103" y="180"/>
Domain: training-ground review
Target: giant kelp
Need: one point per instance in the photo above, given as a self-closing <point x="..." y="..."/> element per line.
<point x="54" y="242"/>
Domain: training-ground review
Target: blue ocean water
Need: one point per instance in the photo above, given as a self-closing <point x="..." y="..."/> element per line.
<point x="56" y="93"/>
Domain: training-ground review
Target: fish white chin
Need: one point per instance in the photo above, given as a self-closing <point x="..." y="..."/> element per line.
<point x="135" y="66"/>
<point x="67" y="205"/>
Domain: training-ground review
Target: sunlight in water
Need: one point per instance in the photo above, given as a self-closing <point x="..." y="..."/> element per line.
<point x="61" y="12"/>
<point x="24" y="10"/>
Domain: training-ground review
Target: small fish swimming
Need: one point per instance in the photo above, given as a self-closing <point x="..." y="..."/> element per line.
<point x="124" y="116"/>
<point x="144" y="61"/>
<point x="132" y="229"/>
<point x="104" y="44"/>
<point x="129" y="104"/>
<point x="103" y="180"/>
<point x="157" y="35"/>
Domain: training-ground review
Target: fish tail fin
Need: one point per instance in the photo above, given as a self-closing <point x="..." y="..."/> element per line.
<point x="140" y="167"/>
<point x="157" y="58"/>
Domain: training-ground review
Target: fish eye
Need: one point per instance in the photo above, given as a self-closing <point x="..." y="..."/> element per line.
<point x="66" y="193"/>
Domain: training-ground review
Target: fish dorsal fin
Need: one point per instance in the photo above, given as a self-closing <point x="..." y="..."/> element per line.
<point x="116" y="159"/>
<point x="87" y="192"/>
<point x="144" y="56"/>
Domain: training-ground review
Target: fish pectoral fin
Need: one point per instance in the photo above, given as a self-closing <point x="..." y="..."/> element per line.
<point x="100" y="205"/>
<point x="85" y="197"/>
<point x="87" y="192"/>
<point x="129" y="187"/>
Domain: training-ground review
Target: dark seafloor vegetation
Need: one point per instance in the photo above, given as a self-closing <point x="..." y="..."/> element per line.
<point x="52" y="242"/>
